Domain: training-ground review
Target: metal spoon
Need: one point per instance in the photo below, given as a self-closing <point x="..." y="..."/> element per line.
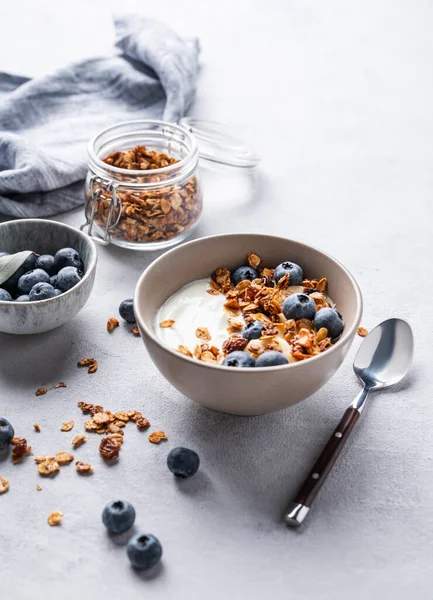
<point x="382" y="360"/>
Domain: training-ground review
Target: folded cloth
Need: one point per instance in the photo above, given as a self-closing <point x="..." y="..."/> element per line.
<point x="46" y="123"/>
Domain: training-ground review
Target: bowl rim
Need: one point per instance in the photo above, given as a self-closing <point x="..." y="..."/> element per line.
<point x="93" y="259"/>
<point x="347" y="334"/>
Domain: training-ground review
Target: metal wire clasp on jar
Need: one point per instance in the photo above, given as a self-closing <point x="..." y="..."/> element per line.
<point x="142" y="188"/>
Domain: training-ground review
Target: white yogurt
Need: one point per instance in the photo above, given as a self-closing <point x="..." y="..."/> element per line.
<point x="192" y="307"/>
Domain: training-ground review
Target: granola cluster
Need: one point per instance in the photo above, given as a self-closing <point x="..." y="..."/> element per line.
<point x="147" y="214"/>
<point x="261" y="300"/>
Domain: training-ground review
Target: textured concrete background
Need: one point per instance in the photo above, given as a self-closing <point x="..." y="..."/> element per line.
<point x="337" y="97"/>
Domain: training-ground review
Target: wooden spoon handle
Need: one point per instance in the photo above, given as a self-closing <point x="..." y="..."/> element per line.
<point x="303" y="500"/>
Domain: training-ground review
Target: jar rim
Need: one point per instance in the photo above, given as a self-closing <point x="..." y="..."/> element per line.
<point x="193" y="152"/>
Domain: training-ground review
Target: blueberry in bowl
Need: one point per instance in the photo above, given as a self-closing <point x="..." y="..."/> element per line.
<point x="43" y="237"/>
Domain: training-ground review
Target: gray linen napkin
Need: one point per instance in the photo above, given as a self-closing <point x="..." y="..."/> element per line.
<point x="46" y="123"/>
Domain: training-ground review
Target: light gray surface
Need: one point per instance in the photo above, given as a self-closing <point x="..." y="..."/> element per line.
<point x="337" y="97"/>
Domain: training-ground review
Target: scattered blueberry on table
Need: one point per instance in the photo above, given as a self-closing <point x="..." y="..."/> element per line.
<point x="43" y="277"/>
<point x="183" y="462"/>
<point x="6" y="433"/>
<point x="118" y="516"/>
<point x="144" y="551"/>
<point x="126" y="310"/>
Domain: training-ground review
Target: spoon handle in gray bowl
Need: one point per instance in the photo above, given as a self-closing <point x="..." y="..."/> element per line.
<point x="303" y="500"/>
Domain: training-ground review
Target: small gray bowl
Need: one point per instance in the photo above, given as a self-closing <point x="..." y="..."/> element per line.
<point x="46" y="237"/>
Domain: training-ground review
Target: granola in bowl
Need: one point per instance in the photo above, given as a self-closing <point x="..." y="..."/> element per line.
<point x="255" y="316"/>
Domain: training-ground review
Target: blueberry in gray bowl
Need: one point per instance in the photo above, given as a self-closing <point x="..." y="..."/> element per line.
<point x="41" y="291"/>
<point x="68" y="277"/>
<point x="331" y="320"/>
<point x="6" y="433"/>
<point x="118" y="516"/>
<point x="67" y="257"/>
<point x="23" y="298"/>
<point x="239" y="359"/>
<point x="30" y="279"/>
<point x="144" y="551"/>
<point x="5" y="296"/>
<point x="294" y="270"/>
<point x="126" y="310"/>
<point x="46" y="263"/>
<point x="299" y="306"/>
<point x="183" y="462"/>
<point x="271" y="358"/>
<point x="244" y="274"/>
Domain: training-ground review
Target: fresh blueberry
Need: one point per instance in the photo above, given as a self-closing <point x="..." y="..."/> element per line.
<point x="4" y="254"/>
<point x="28" y="265"/>
<point x="271" y="358"/>
<point x="244" y="273"/>
<point x="53" y="280"/>
<point x="144" y="551"/>
<point x="183" y="462"/>
<point x="126" y="310"/>
<point x="118" y="516"/>
<point x="331" y="319"/>
<point x="299" y="306"/>
<point x="4" y="295"/>
<point x="41" y="291"/>
<point x="30" y="279"/>
<point x="67" y="257"/>
<point x="6" y="433"/>
<point x="294" y="270"/>
<point x="46" y="263"/>
<point x="68" y="277"/>
<point x="239" y="359"/>
<point x="57" y="292"/>
<point x="252" y="330"/>
<point x="23" y="298"/>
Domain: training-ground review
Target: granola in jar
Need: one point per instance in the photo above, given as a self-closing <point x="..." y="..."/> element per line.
<point x="145" y="195"/>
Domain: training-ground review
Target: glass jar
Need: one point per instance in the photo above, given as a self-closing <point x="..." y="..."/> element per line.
<point x="135" y="206"/>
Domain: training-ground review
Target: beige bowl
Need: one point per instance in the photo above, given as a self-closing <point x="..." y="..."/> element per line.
<point x="243" y="391"/>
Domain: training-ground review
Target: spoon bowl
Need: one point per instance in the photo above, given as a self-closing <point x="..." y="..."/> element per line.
<point x="384" y="357"/>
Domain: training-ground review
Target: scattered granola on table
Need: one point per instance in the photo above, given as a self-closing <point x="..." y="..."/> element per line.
<point x="55" y="518"/>
<point x="135" y="331"/>
<point x="61" y="384"/>
<point x="67" y="426"/>
<point x="83" y="468"/>
<point x="41" y="391"/>
<point x="47" y="465"/>
<point x="20" y="449"/>
<point x="109" y="448"/>
<point x="78" y="440"/>
<point x="91" y="363"/>
<point x="37" y="427"/>
<point x="112" y="323"/>
<point x="4" y="485"/>
<point x="64" y="458"/>
<point x="258" y="316"/>
<point x="157" y="436"/>
<point x="362" y="331"/>
<point x="38" y="487"/>
<point x="151" y="213"/>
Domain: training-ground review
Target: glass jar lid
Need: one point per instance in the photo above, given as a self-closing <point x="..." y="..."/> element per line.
<point x="218" y="143"/>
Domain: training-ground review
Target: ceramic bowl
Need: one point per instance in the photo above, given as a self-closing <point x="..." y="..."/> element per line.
<point x="243" y="391"/>
<point x="46" y="237"/>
